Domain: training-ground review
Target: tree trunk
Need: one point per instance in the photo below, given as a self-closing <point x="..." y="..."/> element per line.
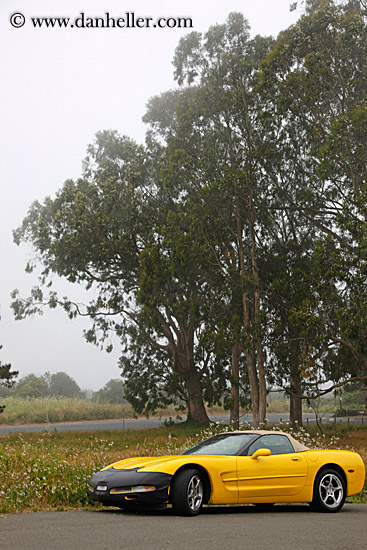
<point x="256" y="378"/>
<point x="262" y="386"/>
<point x="235" y="387"/>
<point x="196" y="408"/>
<point x="257" y="311"/>
<point x="250" y="358"/>
<point x="254" y="388"/>
<point x="181" y="346"/>
<point x="295" y="405"/>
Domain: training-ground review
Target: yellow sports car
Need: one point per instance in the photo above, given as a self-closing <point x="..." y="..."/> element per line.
<point x="258" y="467"/>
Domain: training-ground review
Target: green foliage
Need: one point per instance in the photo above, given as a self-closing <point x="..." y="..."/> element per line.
<point x="5" y="391"/>
<point x="31" y="386"/>
<point x="62" y="385"/>
<point x="354" y="396"/>
<point x="7" y="377"/>
<point x="155" y="386"/>
<point x="112" y="392"/>
<point x="315" y="100"/>
<point x="109" y="232"/>
<point x="45" y="474"/>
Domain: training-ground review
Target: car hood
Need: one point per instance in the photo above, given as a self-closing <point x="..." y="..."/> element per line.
<point x="141" y="462"/>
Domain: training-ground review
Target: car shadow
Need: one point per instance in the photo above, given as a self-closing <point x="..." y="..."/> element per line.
<point x="215" y="510"/>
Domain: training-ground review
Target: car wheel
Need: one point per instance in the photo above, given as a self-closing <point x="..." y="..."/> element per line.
<point x="187" y="493"/>
<point x="329" y="491"/>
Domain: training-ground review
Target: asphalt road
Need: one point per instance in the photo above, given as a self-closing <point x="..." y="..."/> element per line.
<point x="224" y="528"/>
<point x="143" y="423"/>
<point x="136" y="424"/>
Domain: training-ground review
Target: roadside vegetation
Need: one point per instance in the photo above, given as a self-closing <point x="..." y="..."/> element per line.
<point x="108" y="405"/>
<point x="58" y="398"/>
<point x="50" y="471"/>
<point x="39" y="410"/>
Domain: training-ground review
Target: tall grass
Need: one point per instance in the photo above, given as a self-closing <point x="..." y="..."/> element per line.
<point x="58" y="409"/>
<point x="62" y="409"/>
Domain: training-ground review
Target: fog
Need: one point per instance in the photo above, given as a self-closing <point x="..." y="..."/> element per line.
<point x="59" y="86"/>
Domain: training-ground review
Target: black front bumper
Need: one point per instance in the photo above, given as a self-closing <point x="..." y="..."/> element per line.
<point x="128" y="478"/>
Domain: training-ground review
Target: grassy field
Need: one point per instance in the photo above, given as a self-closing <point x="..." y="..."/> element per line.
<point x="58" y="409"/>
<point x="61" y="409"/>
<point x="44" y="410"/>
<point x="49" y="471"/>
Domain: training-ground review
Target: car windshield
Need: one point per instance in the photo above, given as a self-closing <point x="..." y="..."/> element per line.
<point x="222" y="444"/>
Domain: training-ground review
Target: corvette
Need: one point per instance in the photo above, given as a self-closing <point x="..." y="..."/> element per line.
<point x="250" y="467"/>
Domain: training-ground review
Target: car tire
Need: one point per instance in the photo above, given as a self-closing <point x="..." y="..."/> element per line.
<point x="187" y="493"/>
<point x="329" y="491"/>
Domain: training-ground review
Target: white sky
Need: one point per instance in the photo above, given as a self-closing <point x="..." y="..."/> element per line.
<point x="58" y="88"/>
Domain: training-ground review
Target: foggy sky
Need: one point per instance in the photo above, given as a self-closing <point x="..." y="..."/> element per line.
<point x="58" y="88"/>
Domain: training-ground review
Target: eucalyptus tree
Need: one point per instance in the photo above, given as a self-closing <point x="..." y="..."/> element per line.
<point x="314" y="84"/>
<point x="215" y="143"/>
<point x="122" y="233"/>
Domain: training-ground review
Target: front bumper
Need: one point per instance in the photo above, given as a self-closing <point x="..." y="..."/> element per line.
<point x="114" y="479"/>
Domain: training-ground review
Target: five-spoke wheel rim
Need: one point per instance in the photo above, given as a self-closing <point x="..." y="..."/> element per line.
<point x="331" y="490"/>
<point x="195" y="493"/>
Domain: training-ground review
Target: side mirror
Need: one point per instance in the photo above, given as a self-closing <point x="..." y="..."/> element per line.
<point x="261" y="452"/>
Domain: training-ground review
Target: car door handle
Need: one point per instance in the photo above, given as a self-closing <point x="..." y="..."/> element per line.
<point x="296" y="458"/>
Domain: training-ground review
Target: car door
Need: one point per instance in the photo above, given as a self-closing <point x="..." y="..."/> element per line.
<point x="283" y="473"/>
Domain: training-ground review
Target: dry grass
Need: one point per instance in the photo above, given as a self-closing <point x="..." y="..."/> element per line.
<point x="19" y="411"/>
<point x="58" y="409"/>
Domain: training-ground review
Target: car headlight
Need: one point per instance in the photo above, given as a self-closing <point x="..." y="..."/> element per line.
<point x="101" y="488"/>
<point x="134" y="489"/>
<point x="91" y="488"/>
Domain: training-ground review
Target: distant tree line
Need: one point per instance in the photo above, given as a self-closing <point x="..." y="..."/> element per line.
<point x="60" y="384"/>
<point x="229" y="253"/>
<point x="112" y="392"/>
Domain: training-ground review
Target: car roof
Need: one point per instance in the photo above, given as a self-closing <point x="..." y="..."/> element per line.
<point x="298" y="447"/>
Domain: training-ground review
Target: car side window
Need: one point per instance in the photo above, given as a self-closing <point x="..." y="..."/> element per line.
<point x="277" y="444"/>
